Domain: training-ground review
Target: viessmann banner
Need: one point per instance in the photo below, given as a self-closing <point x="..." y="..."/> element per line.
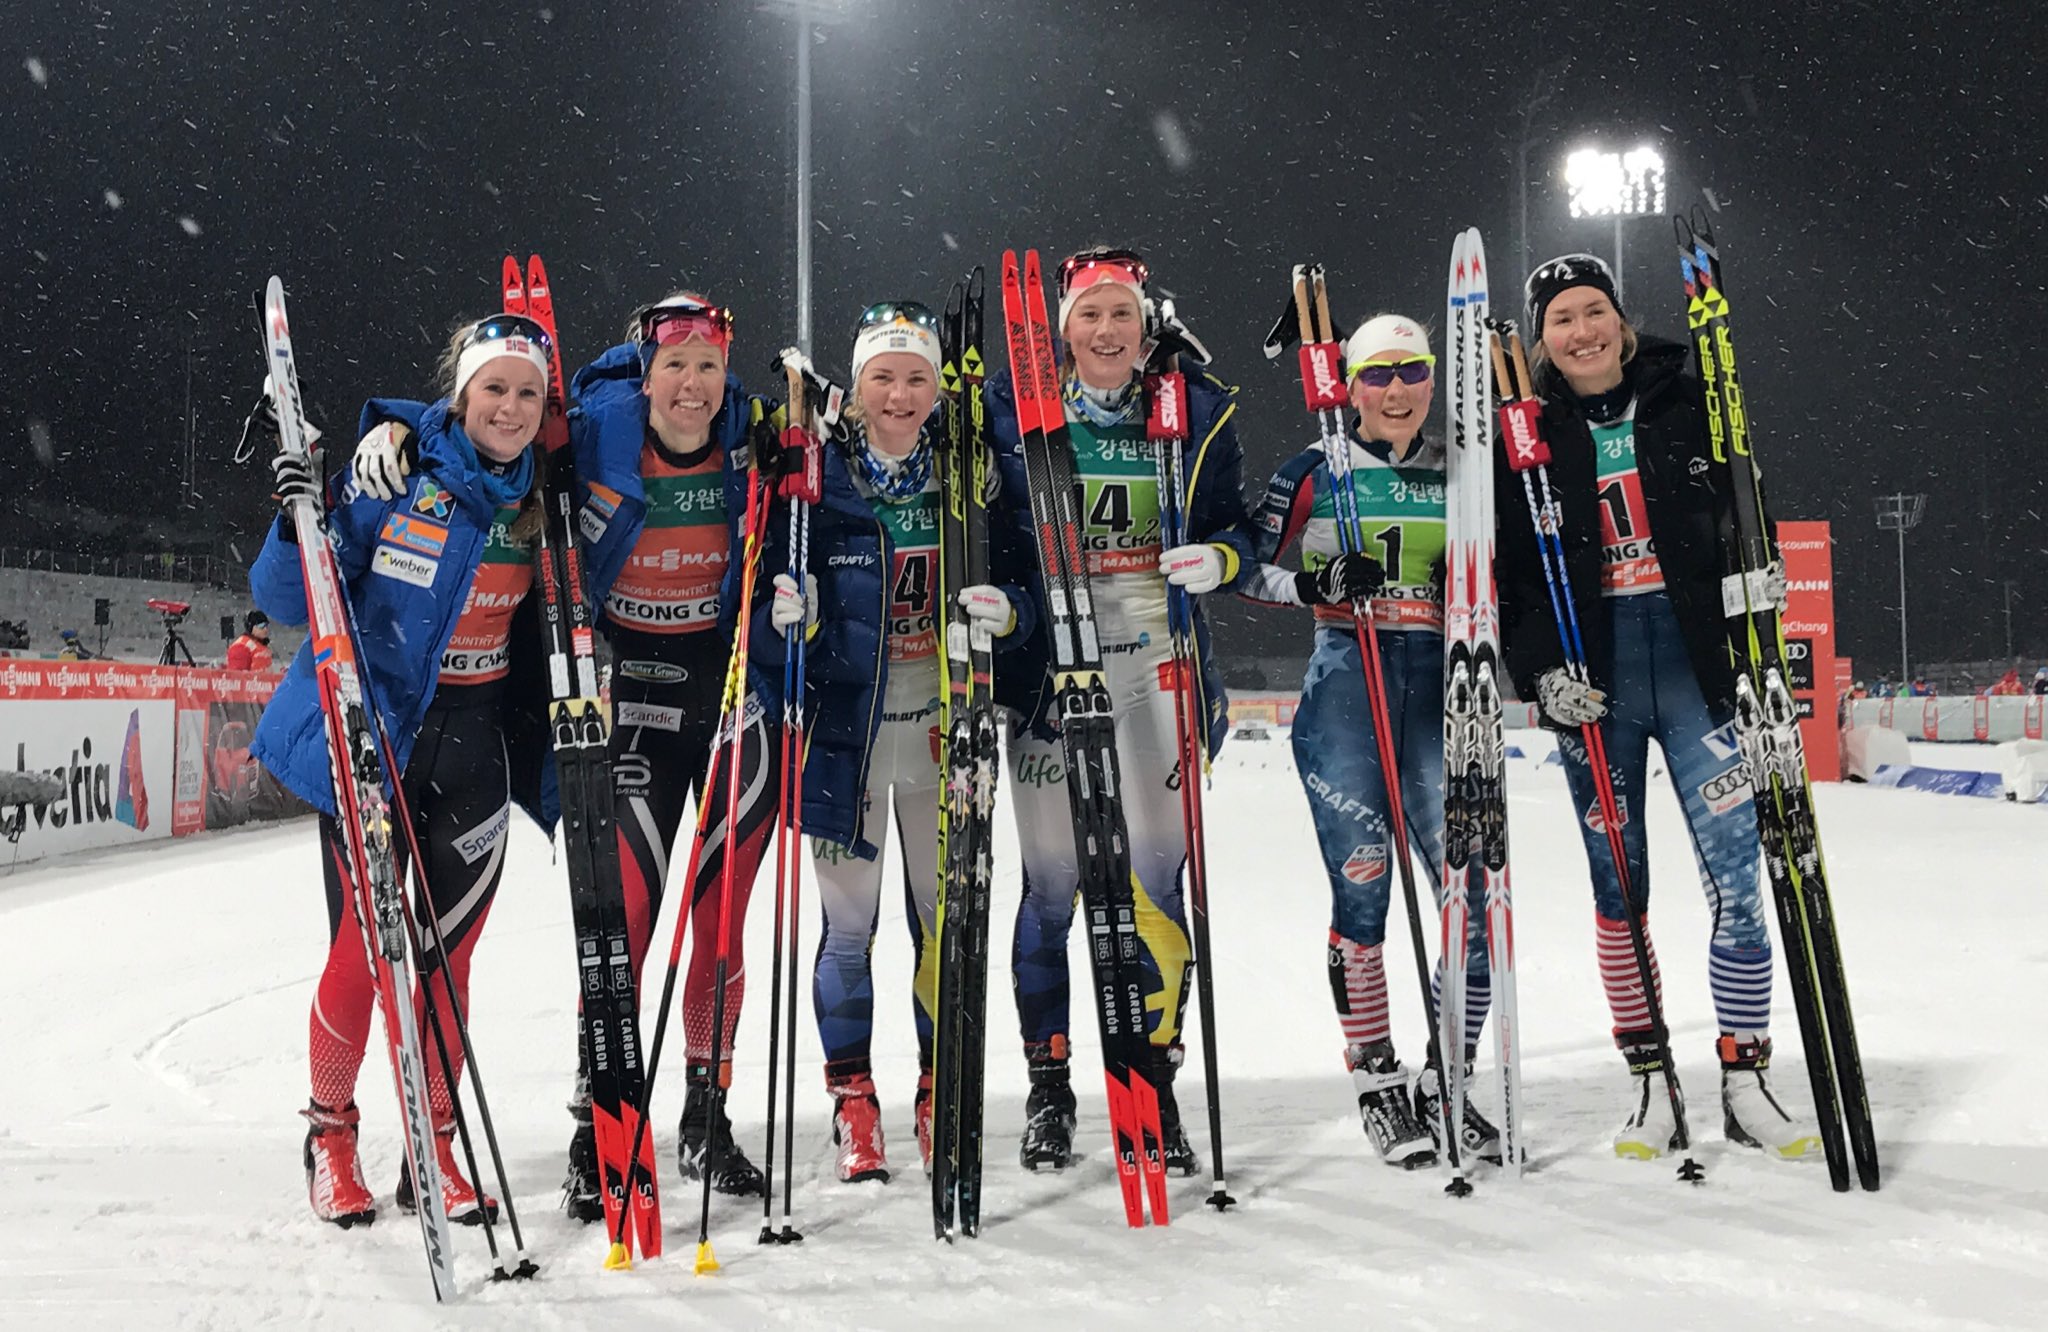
<point x="1809" y="622"/>
<point x="139" y="752"/>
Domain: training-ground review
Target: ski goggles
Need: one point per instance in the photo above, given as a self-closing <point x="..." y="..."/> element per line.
<point x="893" y="312"/>
<point x="506" y="328"/>
<point x="1380" y="374"/>
<point x="679" y="321"/>
<point x="1081" y="271"/>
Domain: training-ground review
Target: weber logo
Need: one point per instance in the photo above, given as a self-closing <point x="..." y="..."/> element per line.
<point x="405" y="566"/>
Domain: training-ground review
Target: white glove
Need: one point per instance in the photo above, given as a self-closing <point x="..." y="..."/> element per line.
<point x="380" y="463"/>
<point x="1196" y="568"/>
<point x="791" y="607"/>
<point x="988" y="608"/>
<point x="1568" y="701"/>
<point x="1764" y="587"/>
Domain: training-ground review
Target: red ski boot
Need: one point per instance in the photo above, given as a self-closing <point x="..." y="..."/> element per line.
<point x="460" y="1198"/>
<point x="334" y="1175"/>
<point x="857" y="1129"/>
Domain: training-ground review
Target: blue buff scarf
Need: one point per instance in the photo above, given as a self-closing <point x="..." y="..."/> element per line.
<point x="896" y="482"/>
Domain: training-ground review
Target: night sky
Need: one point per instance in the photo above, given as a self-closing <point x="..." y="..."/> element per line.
<point x="1879" y="176"/>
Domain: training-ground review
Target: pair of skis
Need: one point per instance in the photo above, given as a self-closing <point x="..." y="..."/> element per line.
<point x="1475" y="812"/>
<point x="1086" y="717"/>
<point x="361" y="759"/>
<point x="968" y="764"/>
<point x="608" y="999"/>
<point x="1767" y="727"/>
<point x="1475" y="744"/>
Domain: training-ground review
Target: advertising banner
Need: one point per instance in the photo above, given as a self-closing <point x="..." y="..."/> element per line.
<point x="1809" y="624"/>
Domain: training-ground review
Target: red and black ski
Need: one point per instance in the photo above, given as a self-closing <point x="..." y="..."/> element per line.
<point x="1086" y="717"/>
<point x="610" y="1008"/>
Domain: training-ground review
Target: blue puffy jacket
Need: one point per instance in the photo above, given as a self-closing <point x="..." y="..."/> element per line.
<point x="846" y="668"/>
<point x="607" y="429"/>
<point x="407" y="564"/>
<point x="1214" y="469"/>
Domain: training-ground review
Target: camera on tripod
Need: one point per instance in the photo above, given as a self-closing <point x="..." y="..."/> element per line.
<point x="174" y="613"/>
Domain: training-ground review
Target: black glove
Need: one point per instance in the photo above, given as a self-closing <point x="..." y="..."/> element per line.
<point x="298" y="477"/>
<point x="1351" y="577"/>
<point x="1439" y="578"/>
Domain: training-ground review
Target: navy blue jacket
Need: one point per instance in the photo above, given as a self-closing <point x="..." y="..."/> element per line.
<point x="846" y="667"/>
<point x="407" y="565"/>
<point x="607" y="428"/>
<point x="1215" y="476"/>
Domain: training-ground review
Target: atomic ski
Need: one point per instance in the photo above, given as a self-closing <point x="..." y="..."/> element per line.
<point x="968" y="763"/>
<point x="1475" y="746"/>
<point x="609" y="1004"/>
<point x="1767" y="726"/>
<point x="1087" y="722"/>
<point x="362" y="812"/>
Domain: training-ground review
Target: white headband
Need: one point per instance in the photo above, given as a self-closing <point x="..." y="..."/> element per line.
<point x="477" y="357"/>
<point x="898" y="335"/>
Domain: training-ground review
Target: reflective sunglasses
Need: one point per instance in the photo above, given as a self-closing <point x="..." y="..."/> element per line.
<point x="890" y="312"/>
<point x="1092" y="266"/>
<point x="1379" y="374"/>
<point x="679" y="321"/>
<point x="502" y="326"/>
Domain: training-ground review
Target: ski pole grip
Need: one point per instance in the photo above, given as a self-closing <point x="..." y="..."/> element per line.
<point x="1167" y="396"/>
<point x="1518" y="427"/>
<point x="1322" y="375"/>
<point x="803" y="466"/>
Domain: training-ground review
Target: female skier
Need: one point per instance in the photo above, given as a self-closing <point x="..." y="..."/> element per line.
<point x="1397" y="476"/>
<point x="659" y="431"/>
<point x="435" y="573"/>
<point x="873" y="678"/>
<point x="1105" y="319"/>
<point x="1647" y="526"/>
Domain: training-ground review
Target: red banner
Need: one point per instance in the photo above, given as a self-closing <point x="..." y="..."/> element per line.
<point x="1809" y="625"/>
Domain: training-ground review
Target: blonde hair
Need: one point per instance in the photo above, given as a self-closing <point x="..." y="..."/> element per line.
<point x="525" y="529"/>
<point x="1541" y="367"/>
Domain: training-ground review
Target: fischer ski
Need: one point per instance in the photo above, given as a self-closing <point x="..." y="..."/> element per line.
<point x="1767" y="727"/>
<point x="969" y="761"/>
<point x="609" y="1002"/>
<point x="1086" y="717"/>
<point x="363" y="812"/>
<point x="1475" y="745"/>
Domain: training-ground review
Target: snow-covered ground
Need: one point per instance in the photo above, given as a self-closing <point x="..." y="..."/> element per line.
<point x="154" y="1058"/>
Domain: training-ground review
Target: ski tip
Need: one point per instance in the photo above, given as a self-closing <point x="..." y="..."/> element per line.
<point x="620" y="1259"/>
<point x="707" y="1262"/>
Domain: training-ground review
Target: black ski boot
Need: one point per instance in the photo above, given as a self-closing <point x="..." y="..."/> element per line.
<point x="1477" y="1137"/>
<point x="1384" y="1106"/>
<point x="705" y="1142"/>
<point x="1049" y="1112"/>
<point x="583" y="1188"/>
<point x="1176" y="1152"/>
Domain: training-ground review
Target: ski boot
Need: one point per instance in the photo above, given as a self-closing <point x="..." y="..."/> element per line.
<point x="1383" y="1105"/>
<point x="857" y="1129"/>
<point x="923" y="1111"/>
<point x="1477" y="1137"/>
<point x="1651" y="1129"/>
<point x="1750" y="1113"/>
<point x="464" y="1203"/>
<point x="1049" y="1110"/>
<point x="1176" y="1153"/>
<point x="334" y="1174"/>
<point x="583" y="1188"/>
<point x="704" y="1142"/>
